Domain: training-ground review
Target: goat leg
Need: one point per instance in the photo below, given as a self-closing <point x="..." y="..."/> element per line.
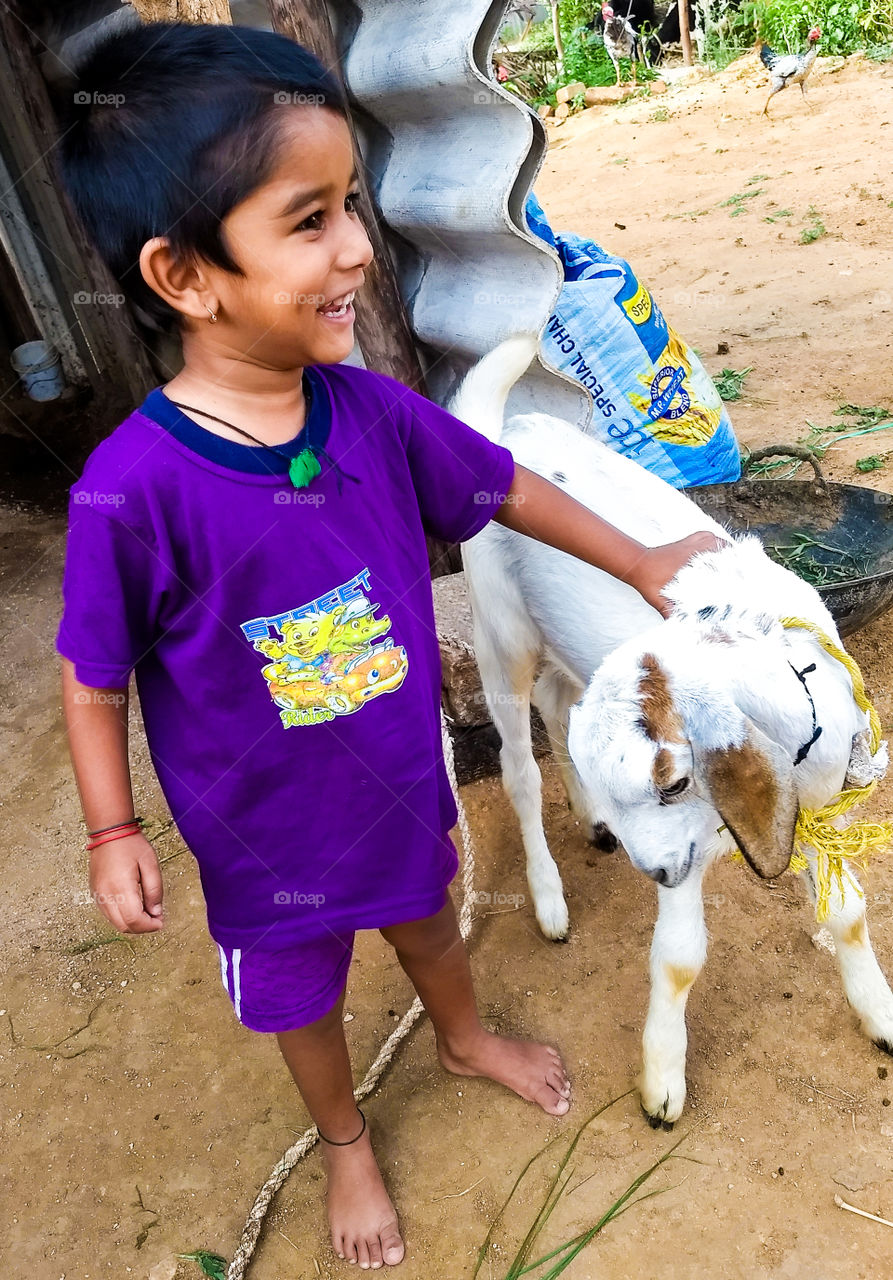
<point x="507" y="685"/>
<point x="865" y="986"/>
<point x="678" y="951"/>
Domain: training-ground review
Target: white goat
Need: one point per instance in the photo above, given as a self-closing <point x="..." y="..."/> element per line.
<point x="682" y="736"/>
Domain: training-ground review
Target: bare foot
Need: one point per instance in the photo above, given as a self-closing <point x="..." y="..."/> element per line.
<point x="361" y="1217"/>
<point x="533" y="1071"/>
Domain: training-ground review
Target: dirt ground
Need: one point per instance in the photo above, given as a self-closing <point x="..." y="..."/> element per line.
<point x="140" y="1119"/>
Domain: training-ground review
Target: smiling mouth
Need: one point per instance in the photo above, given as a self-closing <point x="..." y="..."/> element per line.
<point x="338" y="306"/>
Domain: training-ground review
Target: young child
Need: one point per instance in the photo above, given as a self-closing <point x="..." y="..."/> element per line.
<point x="251" y="543"/>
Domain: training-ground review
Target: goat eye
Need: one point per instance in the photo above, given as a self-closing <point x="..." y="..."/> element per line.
<point x="674" y="789"/>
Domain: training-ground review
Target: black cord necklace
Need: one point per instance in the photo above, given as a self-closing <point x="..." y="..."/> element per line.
<point x="302" y="468"/>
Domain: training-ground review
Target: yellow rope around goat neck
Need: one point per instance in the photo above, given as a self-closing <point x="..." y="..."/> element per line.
<point x="283" y="1167"/>
<point x="835" y="846"/>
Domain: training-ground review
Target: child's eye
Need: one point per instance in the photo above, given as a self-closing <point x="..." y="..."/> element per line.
<point x="311" y="223"/>
<point x="352" y="202"/>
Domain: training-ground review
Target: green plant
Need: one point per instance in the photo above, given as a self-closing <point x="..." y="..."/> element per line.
<point x="846" y="25"/>
<point x="814" y="232"/>
<point x="212" y="1264"/>
<point x="730" y="382"/>
<point x="736" y="202"/>
<point x="873" y="462"/>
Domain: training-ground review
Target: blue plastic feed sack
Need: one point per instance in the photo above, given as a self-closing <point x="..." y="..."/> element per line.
<point x="653" y="400"/>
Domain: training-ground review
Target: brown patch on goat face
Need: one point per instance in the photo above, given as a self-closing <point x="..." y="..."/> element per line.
<point x="855" y="935"/>
<point x="679" y="979"/>
<point x="659" y="720"/>
<point x="663" y="770"/>
<point x="757" y="801"/>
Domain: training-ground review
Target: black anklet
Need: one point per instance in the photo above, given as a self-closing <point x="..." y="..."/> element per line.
<point x="350" y="1141"/>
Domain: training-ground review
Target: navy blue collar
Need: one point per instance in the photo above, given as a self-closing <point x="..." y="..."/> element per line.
<point x="255" y="459"/>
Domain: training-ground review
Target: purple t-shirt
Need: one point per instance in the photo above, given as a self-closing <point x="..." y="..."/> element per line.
<point x="285" y="652"/>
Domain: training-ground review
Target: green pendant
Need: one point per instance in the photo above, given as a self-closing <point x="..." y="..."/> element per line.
<point x="304" y="468"/>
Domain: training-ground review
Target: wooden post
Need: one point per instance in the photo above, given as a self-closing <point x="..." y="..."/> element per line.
<point x="684" y="33"/>
<point x="183" y="10"/>
<point x="556" y="32"/>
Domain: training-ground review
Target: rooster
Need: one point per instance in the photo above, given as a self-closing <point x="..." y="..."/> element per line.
<point x="621" y="40"/>
<point x="789" y="68"/>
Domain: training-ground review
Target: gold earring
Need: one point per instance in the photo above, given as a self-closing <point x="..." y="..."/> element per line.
<point x="212" y="315"/>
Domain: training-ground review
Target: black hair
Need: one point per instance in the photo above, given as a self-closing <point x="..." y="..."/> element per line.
<point x="171" y="126"/>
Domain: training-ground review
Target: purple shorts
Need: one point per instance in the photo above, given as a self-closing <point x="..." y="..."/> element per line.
<point x="283" y="990"/>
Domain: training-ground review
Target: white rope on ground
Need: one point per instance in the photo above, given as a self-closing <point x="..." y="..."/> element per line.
<point x="308" y="1139"/>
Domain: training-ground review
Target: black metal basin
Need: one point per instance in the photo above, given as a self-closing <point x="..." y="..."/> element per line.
<point x="846" y="517"/>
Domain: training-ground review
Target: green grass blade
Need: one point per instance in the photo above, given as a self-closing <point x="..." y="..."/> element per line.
<point x="531" y="1235"/>
<point x="573" y="1248"/>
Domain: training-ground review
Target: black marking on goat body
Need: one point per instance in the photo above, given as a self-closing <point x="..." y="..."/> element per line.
<point x="707" y="612"/>
<point x="559" y="477"/>
<point x="816" y="728"/>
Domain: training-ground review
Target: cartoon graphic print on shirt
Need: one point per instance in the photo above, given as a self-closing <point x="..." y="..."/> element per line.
<point x="328" y="657"/>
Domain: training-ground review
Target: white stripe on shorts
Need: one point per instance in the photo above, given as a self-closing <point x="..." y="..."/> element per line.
<point x="237" y="985"/>
<point x="223" y="967"/>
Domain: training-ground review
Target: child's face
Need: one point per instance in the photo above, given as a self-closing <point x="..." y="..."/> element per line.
<point x="301" y="247"/>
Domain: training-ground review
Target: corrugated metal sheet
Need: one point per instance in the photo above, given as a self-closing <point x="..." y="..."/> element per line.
<point x="453" y="157"/>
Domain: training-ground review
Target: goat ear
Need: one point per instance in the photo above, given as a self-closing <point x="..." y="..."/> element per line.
<point x="752" y="787"/>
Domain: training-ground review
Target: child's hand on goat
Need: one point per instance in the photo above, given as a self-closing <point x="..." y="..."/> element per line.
<point x="659" y="565"/>
<point x="542" y="510"/>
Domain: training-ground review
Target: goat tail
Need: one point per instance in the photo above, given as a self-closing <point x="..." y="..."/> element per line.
<point x="480" y="399"/>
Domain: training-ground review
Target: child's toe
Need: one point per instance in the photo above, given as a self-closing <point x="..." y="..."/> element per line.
<point x="391" y="1246"/>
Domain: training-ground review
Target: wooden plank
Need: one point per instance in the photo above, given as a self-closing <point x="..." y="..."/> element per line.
<point x="112" y="354"/>
<point x="213" y="11"/>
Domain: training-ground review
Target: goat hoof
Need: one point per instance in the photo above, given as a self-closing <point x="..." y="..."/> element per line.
<point x="552" y="917"/>
<point x="603" y="838"/>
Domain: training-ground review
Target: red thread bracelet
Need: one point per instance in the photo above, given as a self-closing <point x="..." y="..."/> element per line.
<point x="132" y="829"/>
<point x="102" y="830"/>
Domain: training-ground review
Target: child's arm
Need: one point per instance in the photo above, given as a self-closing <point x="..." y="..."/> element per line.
<point x="541" y="510"/>
<point x="124" y="874"/>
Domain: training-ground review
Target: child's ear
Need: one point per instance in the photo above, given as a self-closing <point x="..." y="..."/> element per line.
<point x="180" y="284"/>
